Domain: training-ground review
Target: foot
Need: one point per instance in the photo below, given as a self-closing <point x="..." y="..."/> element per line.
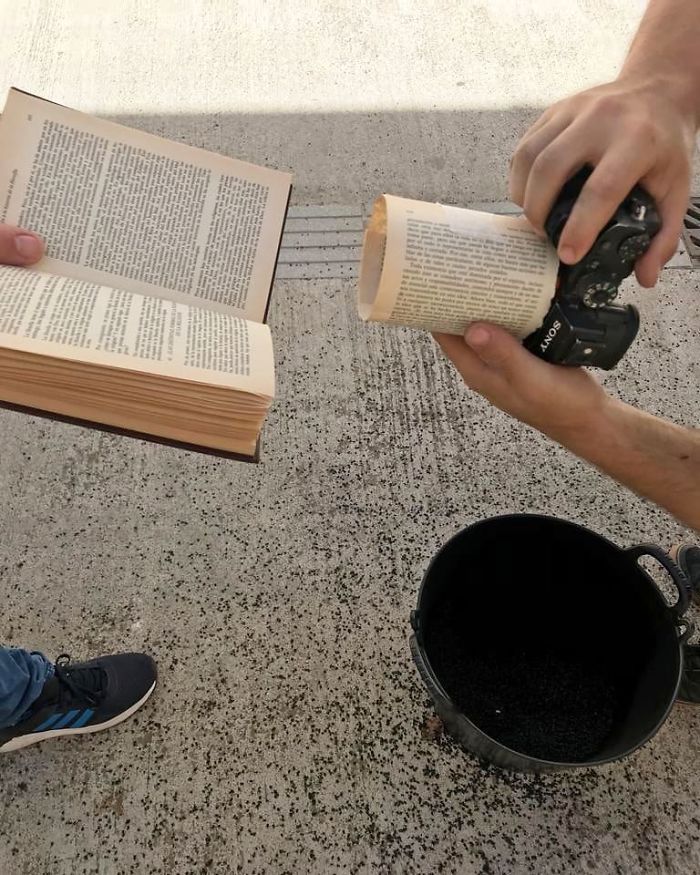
<point x="687" y="557"/>
<point x="689" y="689"/>
<point x="84" y="697"/>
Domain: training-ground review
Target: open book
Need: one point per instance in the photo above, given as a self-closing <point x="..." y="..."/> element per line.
<point x="441" y="268"/>
<point x="147" y="313"/>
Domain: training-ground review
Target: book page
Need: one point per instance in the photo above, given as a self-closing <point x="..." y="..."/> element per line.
<point x="133" y="211"/>
<point x="441" y="268"/>
<point x="80" y="321"/>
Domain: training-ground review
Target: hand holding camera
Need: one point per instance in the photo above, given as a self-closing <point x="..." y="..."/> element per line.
<point x="584" y="326"/>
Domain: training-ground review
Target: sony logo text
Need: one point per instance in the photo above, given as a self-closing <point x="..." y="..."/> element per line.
<point x="550" y="335"/>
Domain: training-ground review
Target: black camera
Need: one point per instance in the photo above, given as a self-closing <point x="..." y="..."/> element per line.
<point x="583" y="326"/>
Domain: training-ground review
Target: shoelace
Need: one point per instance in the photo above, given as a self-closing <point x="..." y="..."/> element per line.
<point x="85" y="684"/>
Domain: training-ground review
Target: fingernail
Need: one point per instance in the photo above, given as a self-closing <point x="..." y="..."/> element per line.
<point x="28" y="246"/>
<point x="477" y="335"/>
<point x="567" y="254"/>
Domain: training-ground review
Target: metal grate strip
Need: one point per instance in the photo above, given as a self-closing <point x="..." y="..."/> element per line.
<point x="319" y="271"/>
<point x="691" y="230"/>
<point x="323" y="241"/>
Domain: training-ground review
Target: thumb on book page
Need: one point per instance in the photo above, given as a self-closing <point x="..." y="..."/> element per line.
<point x="18" y="246"/>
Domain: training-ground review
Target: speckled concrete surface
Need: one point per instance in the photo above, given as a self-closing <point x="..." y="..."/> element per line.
<point x="285" y="736"/>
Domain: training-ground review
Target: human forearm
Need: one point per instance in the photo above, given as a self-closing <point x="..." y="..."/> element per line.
<point x="665" y="49"/>
<point x="653" y="457"/>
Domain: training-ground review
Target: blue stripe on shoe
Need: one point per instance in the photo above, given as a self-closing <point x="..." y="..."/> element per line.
<point x="66" y="719"/>
<point x="47" y="724"/>
<point x="83" y="719"/>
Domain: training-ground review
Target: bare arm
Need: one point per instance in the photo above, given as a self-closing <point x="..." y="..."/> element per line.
<point x="654" y="458"/>
<point x="666" y="47"/>
<point x="639" y="128"/>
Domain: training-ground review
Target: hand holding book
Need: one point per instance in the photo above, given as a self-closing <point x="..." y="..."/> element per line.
<point x="147" y="312"/>
<point x="558" y="401"/>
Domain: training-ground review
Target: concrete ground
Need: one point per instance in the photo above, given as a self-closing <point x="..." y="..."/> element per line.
<point x="285" y="735"/>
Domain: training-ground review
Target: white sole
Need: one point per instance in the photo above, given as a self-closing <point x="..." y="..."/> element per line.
<point x="35" y="737"/>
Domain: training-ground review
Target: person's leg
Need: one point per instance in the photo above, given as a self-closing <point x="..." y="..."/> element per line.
<point x="22" y="678"/>
<point x="74" y="698"/>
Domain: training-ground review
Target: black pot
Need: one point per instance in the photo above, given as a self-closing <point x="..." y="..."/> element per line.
<point x="545" y="646"/>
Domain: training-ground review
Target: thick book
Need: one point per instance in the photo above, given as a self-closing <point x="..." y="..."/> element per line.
<point x="440" y="268"/>
<point x="147" y="313"/>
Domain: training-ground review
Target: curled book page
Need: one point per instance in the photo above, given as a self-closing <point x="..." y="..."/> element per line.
<point x="440" y="268"/>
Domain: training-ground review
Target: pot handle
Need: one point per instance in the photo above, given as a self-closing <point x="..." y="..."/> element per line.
<point x="678" y="577"/>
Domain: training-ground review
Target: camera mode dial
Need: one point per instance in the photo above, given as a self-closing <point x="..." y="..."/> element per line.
<point x="631" y="248"/>
<point x="599" y="294"/>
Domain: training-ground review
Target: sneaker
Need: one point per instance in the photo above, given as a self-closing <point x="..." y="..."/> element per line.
<point x="689" y="689"/>
<point x="84" y="697"/>
<point x="687" y="557"/>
